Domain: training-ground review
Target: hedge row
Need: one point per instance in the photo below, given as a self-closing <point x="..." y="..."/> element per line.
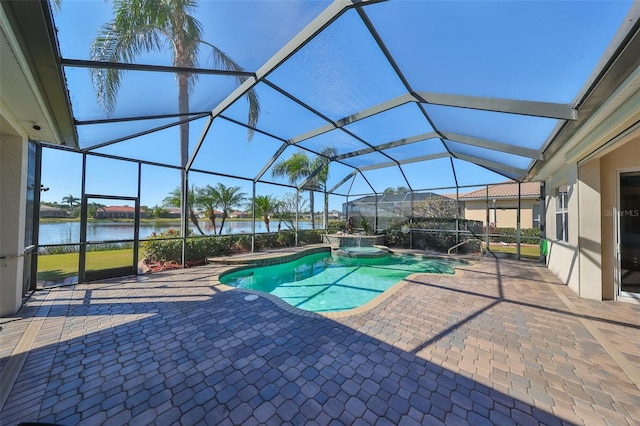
<point x="508" y="235"/>
<point x="158" y="248"/>
<point x="434" y="234"/>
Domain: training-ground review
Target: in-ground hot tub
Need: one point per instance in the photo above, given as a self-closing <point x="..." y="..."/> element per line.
<point x="354" y="240"/>
<point x="362" y="252"/>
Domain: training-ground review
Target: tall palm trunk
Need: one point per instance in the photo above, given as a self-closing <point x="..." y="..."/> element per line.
<point x="194" y="220"/>
<point x="212" y="218"/>
<point x="224" y="217"/>
<point x="325" y="211"/>
<point x="312" y="207"/>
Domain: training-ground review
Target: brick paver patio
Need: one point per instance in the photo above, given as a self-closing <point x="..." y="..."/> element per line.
<point x="502" y="342"/>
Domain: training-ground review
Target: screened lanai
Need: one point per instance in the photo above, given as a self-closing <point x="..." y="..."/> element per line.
<point x="431" y="97"/>
<point x="416" y="118"/>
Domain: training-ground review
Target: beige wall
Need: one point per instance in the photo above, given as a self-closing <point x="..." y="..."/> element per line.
<point x="625" y="157"/>
<point x="562" y="258"/>
<point x="589" y="234"/>
<point x="587" y="262"/>
<point x="506" y="212"/>
<point x="13" y="171"/>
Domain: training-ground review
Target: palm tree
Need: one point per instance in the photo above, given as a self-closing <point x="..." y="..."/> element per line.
<point x="175" y="200"/>
<point x="92" y="208"/>
<point x="228" y="198"/>
<point x="209" y="200"/>
<point x="300" y="166"/>
<point x="157" y="211"/>
<point x="265" y="206"/>
<point x="320" y="179"/>
<point x="140" y="26"/>
<point x="71" y="200"/>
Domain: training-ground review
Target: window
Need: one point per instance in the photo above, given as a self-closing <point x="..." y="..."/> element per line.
<point x="536" y="216"/>
<point x="562" y="213"/>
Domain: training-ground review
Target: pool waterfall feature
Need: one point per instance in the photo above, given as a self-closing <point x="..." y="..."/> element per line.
<point x="358" y="246"/>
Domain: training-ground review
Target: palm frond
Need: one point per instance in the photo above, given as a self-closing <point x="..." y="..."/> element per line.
<point x="221" y="60"/>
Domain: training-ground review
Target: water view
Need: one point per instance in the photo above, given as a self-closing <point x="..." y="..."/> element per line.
<point x="69" y="232"/>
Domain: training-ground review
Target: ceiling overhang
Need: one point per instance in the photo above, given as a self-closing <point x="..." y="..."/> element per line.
<point x="35" y="88"/>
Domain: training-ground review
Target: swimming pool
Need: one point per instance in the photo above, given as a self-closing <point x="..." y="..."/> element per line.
<point x="329" y="283"/>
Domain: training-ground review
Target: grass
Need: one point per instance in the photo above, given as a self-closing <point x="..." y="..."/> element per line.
<point x="532" y="251"/>
<point x="57" y="267"/>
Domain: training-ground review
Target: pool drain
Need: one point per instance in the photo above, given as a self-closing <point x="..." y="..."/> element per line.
<point x="251" y="297"/>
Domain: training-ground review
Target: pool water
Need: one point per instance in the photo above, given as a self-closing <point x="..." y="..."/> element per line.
<point x="325" y="283"/>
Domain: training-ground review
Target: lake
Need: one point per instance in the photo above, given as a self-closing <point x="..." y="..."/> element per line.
<point x="69" y="232"/>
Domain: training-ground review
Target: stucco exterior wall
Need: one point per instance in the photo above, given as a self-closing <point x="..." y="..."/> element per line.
<point x="624" y="158"/>
<point x="589" y="233"/>
<point x="506" y="212"/>
<point x="13" y="171"/>
<point x="562" y="258"/>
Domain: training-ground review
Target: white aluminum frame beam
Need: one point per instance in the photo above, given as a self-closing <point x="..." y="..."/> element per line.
<point x="502" y="168"/>
<point x="326" y="17"/>
<point x="496" y="146"/>
<point x="339" y="184"/>
<point x="377" y="109"/>
<point x="407" y="161"/>
<point x="388" y="145"/>
<point x="510" y="106"/>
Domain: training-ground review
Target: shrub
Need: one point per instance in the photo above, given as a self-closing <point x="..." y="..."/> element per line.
<point x="336" y="226"/>
<point x="508" y="235"/>
<point x="310" y="236"/>
<point x="158" y="247"/>
<point x="241" y="242"/>
<point x="438" y="234"/>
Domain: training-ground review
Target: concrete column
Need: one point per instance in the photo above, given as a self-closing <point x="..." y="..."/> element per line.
<point x="13" y="178"/>
<point x="590" y="231"/>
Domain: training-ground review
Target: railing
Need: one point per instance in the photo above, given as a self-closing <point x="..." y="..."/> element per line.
<point x="465" y="242"/>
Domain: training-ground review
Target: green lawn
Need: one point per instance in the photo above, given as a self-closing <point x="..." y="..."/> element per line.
<point x="57" y="267"/>
<point x="532" y="251"/>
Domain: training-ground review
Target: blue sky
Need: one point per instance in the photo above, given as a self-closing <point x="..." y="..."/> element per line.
<point x="540" y="50"/>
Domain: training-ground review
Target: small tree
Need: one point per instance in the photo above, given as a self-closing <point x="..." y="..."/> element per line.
<point x="228" y="197"/>
<point x="174" y="200"/>
<point x="92" y="209"/>
<point x="208" y="199"/>
<point x="266" y="205"/>
<point x="71" y="201"/>
<point x="287" y="209"/>
<point x="299" y="167"/>
<point x="437" y="206"/>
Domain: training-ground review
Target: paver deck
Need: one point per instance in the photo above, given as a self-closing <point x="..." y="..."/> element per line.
<point x="502" y="342"/>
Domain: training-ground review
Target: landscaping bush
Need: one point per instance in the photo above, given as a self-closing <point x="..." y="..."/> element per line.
<point x="335" y="226"/>
<point x="437" y="234"/>
<point x="508" y="235"/>
<point x="159" y="248"/>
<point x="241" y="242"/>
<point x="166" y="247"/>
<point x="310" y="236"/>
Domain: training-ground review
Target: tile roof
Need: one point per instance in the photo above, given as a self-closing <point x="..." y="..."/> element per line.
<point x="45" y="208"/>
<point x="506" y="190"/>
<point x="118" y="209"/>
